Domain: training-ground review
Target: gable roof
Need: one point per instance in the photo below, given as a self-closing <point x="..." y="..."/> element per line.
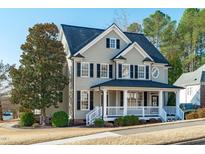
<point x="131" y="46"/>
<point x="192" y="78"/>
<point x="78" y="37"/>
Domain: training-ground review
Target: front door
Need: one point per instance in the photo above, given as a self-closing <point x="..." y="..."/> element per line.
<point x="155" y="100"/>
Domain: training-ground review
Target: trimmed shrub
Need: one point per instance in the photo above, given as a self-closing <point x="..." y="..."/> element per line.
<point x="130" y="120"/>
<point x="201" y="112"/>
<point x="118" y="122"/>
<point x="60" y="119"/>
<point x="127" y="120"/>
<point x="26" y="119"/>
<point x="99" y="122"/>
<point x="192" y="115"/>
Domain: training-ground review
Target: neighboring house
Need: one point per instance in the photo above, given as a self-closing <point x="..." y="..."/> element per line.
<point x="115" y="73"/>
<point x="194" y="87"/>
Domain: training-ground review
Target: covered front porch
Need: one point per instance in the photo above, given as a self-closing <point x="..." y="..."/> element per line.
<point x="143" y="101"/>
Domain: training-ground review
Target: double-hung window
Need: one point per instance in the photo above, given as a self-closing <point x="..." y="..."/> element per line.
<point x="84" y="69"/>
<point x="113" y="43"/>
<point x="84" y="100"/>
<point x="141" y="72"/>
<point x="104" y="70"/>
<point x="125" y="71"/>
<point x="134" y="98"/>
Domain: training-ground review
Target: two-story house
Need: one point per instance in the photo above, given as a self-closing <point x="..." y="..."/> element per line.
<point x="115" y="73"/>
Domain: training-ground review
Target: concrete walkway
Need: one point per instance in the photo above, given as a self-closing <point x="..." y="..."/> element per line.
<point x="81" y="138"/>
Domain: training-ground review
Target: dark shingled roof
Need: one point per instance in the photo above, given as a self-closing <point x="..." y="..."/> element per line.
<point x="77" y="37"/>
<point x="136" y="83"/>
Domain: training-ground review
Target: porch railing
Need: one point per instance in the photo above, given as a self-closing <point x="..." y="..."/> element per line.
<point x="115" y="111"/>
<point x="92" y="115"/>
<point x="141" y="111"/>
<point x="179" y="113"/>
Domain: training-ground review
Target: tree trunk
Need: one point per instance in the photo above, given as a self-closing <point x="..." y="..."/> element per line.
<point x="43" y="117"/>
<point x="1" y="112"/>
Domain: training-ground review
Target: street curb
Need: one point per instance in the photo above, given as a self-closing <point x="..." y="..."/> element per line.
<point x="159" y="124"/>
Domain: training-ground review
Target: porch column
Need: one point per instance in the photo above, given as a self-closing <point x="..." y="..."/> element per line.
<point x="177" y="98"/>
<point x="160" y="99"/>
<point x="104" y="103"/>
<point x="125" y="102"/>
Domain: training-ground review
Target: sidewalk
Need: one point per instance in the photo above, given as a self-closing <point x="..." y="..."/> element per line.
<point x="81" y="138"/>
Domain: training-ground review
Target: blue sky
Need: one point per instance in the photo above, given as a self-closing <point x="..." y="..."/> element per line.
<point x="15" y="23"/>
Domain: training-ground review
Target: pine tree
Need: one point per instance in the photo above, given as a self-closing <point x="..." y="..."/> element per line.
<point x="39" y="80"/>
<point x="188" y="32"/>
<point x="155" y="25"/>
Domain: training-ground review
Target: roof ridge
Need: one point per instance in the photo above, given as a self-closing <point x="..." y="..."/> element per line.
<point x="99" y="29"/>
<point x="133" y="33"/>
<point x="82" y="27"/>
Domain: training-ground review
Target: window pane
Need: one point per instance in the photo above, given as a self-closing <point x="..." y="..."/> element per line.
<point x="84" y="70"/>
<point x="141" y="72"/>
<point x="125" y="71"/>
<point x="135" y="99"/>
<point x="112" y="43"/>
<point x="104" y="70"/>
<point x="84" y="100"/>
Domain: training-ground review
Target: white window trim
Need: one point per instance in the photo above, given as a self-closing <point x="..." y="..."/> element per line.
<point x="88" y="100"/>
<point x="107" y="70"/>
<point x="115" y="43"/>
<point x="144" y="72"/>
<point x="81" y="70"/>
<point x="128" y="72"/>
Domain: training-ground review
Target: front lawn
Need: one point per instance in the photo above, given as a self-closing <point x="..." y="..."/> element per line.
<point x="156" y="137"/>
<point x="30" y="136"/>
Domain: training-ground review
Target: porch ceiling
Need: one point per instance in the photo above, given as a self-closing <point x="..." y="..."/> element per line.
<point x="148" y="84"/>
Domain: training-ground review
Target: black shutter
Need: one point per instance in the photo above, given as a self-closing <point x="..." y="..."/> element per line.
<point x="78" y="69"/>
<point x="78" y="100"/>
<point x="98" y="70"/>
<point x="110" y="71"/>
<point x="145" y="98"/>
<point x="118" y="44"/>
<point x="147" y="72"/>
<point x="120" y="70"/>
<point x="131" y="71"/>
<point x="91" y="70"/>
<point x="107" y="42"/>
<point x="136" y="71"/>
<point x="91" y="100"/>
<point x="121" y="98"/>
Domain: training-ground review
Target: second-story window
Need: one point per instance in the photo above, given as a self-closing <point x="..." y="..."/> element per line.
<point x="141" y="72"/>
<point x="84" y="69"/>
<point x="125" y="71"/>
<point x="113" y="43"/>
<point x="104" y="70"/>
